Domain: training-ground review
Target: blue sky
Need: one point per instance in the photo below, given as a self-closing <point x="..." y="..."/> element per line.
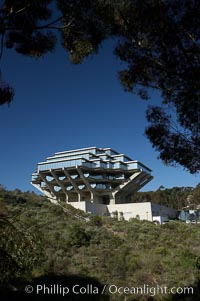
<point x="59" y="106"/>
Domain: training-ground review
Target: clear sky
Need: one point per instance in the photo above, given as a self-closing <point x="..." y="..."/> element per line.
<point x="59" y="106"/>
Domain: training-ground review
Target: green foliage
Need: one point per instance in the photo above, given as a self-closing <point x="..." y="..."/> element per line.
<point x="160" y="250"/>
<point x="175" y="147"/>
<point x="116" y="252"/>
<point x="176" y="197"/>
<point x="96" y="220"/>
<point x="6" y="93"/>
<point x="20" y="250"/>
<point x="3" y="209"/>
<point x="78" y="236"/>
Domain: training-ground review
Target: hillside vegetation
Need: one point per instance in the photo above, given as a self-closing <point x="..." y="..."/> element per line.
<point x="38" y="239"/>
<point x="176" y="197"/>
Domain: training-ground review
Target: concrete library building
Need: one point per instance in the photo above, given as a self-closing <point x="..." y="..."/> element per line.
<point x="100" y="181"/>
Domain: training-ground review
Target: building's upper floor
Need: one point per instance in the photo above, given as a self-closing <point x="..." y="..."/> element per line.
<point x="91" y="157"/>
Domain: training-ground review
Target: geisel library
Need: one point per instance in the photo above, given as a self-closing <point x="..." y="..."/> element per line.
<point x="100" y="181"/>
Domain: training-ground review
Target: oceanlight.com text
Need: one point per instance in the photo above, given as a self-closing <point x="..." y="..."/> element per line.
<point x="149" y="290"/>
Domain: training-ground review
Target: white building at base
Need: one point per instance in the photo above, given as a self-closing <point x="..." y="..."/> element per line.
<point x="142" y="211"/>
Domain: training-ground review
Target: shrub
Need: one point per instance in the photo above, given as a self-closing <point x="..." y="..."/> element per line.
<point x="78" y="236"/>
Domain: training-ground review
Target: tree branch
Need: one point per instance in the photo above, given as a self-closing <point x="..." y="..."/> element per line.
<point x="46" y="26"/>
<point x="17" y="12"/>
<point x="51" y="23"/>
<point x="1" y="47"/>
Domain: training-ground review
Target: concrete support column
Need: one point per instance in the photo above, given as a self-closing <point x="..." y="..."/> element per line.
<point x="47" y="184"/>
<point x="60" y="184"/>
<point x="134" y="186"/>
<point x="86" y="183"/>
<point x="123" y="186"/>
<point x="73" y="184"/>
<point x="112" y="201"/>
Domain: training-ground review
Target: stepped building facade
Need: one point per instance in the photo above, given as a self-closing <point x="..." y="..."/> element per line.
<point x="96" y="180"/>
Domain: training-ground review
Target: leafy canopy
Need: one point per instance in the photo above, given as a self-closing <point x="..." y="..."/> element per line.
<point x="157" y="40"/>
